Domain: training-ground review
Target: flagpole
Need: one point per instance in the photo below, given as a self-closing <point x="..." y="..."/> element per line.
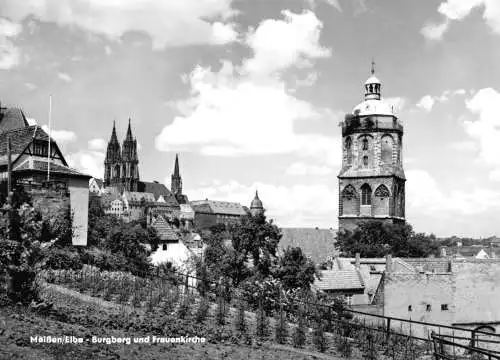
<point x="48" y="155"/>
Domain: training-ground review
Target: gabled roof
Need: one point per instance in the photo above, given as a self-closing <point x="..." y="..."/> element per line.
<point x="318" y="244"/>
<point x="218" y="207"/>
<point x="332" y="280"/>
<point x="38" y="165"/>
<point x="157" y="189"/>
<point x="12" y="118"/>
<point x="136" y="197"/>
<point x="164" y="230"/>
<point x="99" y="182"/>
<point x="20" y="139"/>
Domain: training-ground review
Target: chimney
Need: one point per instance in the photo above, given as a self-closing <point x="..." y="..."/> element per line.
<point x="388" y="264"/>
<point x="358" y="261"/>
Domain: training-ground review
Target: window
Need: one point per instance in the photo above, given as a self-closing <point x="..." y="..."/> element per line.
<point x="410" y="308"/>
<point x="164" y="246"/>
<point x="366" y="195"/>
<point x="40" y="148"/>
<point x="372" y="268"/>
<point x="387" y="145"/>
<point x="444" y="307"/>
<point x="365" y="144"/>
<point x="348" y="149"/>
<point x="365" y="160"/>
<point x="428" y="307"/>
<point x="348" y="299"/>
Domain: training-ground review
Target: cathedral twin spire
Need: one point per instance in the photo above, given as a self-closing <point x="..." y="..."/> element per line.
<point x="121" y="168"/>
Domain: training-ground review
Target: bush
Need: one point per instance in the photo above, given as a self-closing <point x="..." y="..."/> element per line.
<point x="203" y="308"/>
<point x="62" y="259"/>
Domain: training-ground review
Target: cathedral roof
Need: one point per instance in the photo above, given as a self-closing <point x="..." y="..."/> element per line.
<point x="157" y="190"/>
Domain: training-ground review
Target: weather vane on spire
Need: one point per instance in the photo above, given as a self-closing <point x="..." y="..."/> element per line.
<point x="373" y="66"/>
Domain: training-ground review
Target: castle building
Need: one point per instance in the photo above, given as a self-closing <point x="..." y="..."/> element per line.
<point x="121" y="165"/>
<point x="371" y="180"/>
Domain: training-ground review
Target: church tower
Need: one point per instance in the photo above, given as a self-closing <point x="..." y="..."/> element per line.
<point x="371" y="180"/>
<point x="112" y="162"/>
<point x="256" y="207"/>
<point x="130" y="162"/>
<point x="176" y="180"/>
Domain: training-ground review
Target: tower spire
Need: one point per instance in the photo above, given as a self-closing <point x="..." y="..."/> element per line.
<point x="176" y="165"/>
<point x="129" y="132"/>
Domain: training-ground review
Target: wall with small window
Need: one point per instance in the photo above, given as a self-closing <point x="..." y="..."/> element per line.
<point x="420" y="296"/>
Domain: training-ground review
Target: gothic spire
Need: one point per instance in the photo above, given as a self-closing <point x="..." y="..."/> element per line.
<point x="176" y="166"/>
<point x="114" y="138"/>
<point x="129" y="132"/>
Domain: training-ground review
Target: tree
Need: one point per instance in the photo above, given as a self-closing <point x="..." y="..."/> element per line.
<point x="295" y="270"/>
<point x="377" y="239"/>
<point x="241" y="250"/>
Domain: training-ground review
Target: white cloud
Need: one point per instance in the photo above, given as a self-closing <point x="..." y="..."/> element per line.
<point x="247" y="110"/>
<point x="426" y="103"/>
<point x="486" y="128"/>
<point x="168" y="22"/>
<point x="281" y="44"/>
<point x="424" y="194"/>
<point x="298" y="205"/>
<point x="64" y="77"/>
<point x="495" y="175"/>
<point x="335" y="3"/>
<point x="97" y="144"/>
<point x="433" y="31"/>
<point x="9" y="53"/>
<point x="224" y="33"/>
<point x="301" y="168"/>
<point x="308" y="81"/>
<point x="455" y="10"/>
<point x="30" y="86"/>
<point x="60" y="136"/>
<point x="466" y="145"/>
<point x="88" y="162"/>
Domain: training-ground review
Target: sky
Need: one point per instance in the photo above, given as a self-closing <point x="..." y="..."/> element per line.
<point x="250" y="94"/>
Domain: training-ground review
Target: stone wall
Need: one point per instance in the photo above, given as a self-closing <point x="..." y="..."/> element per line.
<point x="477" y="290"/>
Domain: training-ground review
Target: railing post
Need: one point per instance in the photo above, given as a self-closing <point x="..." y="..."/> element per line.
<point x="388" y="329"/>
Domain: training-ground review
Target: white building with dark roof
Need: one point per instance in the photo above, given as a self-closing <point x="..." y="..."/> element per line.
<point x="38" y="165"/>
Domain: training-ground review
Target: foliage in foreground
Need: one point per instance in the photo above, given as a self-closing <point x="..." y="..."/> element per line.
<point x="377" y="239"/>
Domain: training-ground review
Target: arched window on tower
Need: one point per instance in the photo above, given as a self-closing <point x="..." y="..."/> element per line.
<point x="387" y="146"/>
<point x="381" y="201"/>
<point x="349" y="201"/>
<point x="108" y="172"/>
<point x="117" y="171"/>
<point x="365" y="161"/>
<point x="365" y="144"/>
<point x="348" y="150"/>
<point x="366" y="195"/>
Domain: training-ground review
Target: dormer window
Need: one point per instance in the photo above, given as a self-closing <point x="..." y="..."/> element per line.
<point x="40" y="148"/>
